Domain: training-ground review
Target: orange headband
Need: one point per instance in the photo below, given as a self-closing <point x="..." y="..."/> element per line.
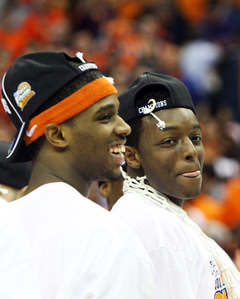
<point x="69" y="107"/>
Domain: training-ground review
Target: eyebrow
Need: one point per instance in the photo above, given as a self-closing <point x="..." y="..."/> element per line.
<point x="197" y="126"/>
<point x="104" y="108"/>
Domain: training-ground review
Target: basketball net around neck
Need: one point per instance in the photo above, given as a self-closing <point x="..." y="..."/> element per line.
<point x="138" y="185"/>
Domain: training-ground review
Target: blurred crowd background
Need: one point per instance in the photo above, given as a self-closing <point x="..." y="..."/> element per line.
<point x="196" y="41"/>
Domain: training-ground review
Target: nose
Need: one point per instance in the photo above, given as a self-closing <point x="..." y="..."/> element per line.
<point x="190" y="151"/>
<point x="122" y="128"/>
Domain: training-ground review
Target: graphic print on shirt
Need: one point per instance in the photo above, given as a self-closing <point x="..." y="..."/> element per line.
<point x="220" y="288"/>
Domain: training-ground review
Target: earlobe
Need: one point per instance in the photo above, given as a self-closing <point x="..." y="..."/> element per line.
<point x="132" y="157"/>
<point x="56" y="135"/>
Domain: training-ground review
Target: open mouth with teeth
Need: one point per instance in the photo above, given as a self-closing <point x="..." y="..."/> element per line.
<point x="117" y="150"/>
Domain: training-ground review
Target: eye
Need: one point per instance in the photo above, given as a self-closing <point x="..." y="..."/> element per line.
<point x="105" y="118"/>
<point x="197" y="138"/>
<point x="168" y="142"/>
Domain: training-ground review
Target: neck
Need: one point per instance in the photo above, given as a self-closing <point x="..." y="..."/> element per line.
<point x="136" y="176"/>
<point x="138" y="185"/>
<point x="42" y="175"/>
<point x="177" y="201"/>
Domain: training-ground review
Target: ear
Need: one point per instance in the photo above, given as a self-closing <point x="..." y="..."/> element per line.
<point x="132" y="157"/>
<point x="237" y="258"/>
<point x="104" y="189"/>
<point x="21" y="192"/>
<point x="56" y="135"/>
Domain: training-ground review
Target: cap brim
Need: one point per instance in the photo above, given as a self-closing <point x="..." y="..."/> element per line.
<point x="18" y="151"/>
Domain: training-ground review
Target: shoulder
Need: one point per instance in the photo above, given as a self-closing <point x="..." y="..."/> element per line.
<point x="155" y="226"/>
<point x="63" y="211"/>
<point x="136" y="209"/>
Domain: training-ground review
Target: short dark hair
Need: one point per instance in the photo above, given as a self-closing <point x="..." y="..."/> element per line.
<point x="63" y="93"/>
<point x="150" y="92"/>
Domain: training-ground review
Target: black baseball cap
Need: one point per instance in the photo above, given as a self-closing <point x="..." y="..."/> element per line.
<point x="29" y="83"/>
<point x="131" y="107"/>
<point x="15" y="175"/>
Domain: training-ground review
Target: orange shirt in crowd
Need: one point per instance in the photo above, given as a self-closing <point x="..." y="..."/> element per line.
<point x="231" y="203"/>
<point x="209" y="206"/>
<point x="193" y="11"/>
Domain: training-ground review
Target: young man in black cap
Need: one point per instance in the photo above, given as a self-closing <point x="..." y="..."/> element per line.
<point x="164" y="154"/>
<point x="14" y="178"/>
<point x="65" y="112"/>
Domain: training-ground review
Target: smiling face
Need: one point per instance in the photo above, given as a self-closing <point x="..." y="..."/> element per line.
<point x="97" y="141"/>
<point x="172" y="159"/>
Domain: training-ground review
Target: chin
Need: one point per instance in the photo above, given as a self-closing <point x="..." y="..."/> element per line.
<point x="192" y="194"/>
<point x="112" y="175"/>
<point x="116" y="175"/>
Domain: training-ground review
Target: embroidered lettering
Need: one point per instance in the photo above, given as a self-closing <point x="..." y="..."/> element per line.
<point x="149" y="106"/>
<point x="87" y="66"/>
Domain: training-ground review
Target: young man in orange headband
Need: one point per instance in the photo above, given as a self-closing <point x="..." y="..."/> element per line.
<point x="65" y="113"/>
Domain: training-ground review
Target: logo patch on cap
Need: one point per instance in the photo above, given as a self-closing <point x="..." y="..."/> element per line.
<point x="23" y="94"/>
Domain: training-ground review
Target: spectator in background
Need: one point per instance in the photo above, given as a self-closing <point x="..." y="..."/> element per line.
<point x="14" y="178"/>
<point x="112" y="190"/>
<point x="198" y="61"/>
<point x="230" y="203"/>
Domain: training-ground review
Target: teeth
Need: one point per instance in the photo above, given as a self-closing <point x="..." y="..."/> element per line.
<point x="117" y="149"/>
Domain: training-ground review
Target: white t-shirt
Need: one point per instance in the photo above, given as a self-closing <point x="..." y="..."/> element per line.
<point x="183" y="267"/>
<point x="18" y="278"/>
<point x="82" y="251"/>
